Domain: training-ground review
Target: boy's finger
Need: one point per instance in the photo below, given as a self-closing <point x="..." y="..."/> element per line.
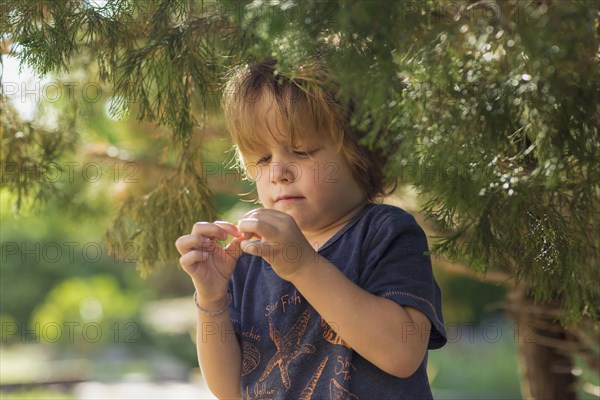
<point x="271" y="217"/>
<point x="188" y="242"/>
<point x="257" y="227"/>
<point x="228" y="227"/>
<point x="208" y="246"/>
<point x="253" y="211"/>
<point x="250" y="235"/>
<point x="191" y="258"/>
<point x="266" y="213"/>
<point x="251" y="247"/>
<point x="209" y="230"/>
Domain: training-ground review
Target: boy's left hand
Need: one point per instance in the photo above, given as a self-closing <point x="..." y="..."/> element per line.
<point x="281" y="243"/>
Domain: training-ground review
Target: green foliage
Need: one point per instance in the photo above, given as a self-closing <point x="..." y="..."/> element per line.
<point x="164" y="69"/>
<point x="96" y="300"/>
<point x="150" y="225"/>
<point x="495" y="134"/>
<point x="29" y="155"/>
<point x="37" y="254"/>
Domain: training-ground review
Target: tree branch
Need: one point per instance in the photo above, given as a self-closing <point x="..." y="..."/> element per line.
<point x="456" y="268"/>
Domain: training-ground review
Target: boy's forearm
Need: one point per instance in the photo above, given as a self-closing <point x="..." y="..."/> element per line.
<point x="392" y="337"/>
<point x="219" y="355"/>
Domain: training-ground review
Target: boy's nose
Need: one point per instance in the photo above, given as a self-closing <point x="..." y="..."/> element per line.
<point x="283" y="172"/>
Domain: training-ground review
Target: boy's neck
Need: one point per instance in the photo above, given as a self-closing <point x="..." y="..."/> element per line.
<point x="319" y="237"/>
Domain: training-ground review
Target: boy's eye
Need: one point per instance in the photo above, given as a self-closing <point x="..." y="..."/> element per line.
<point x="304" y="153"/>
<point x="263" y="160"/>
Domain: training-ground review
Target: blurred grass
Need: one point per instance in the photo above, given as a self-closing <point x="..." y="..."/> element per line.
<point x="470" y="367"/>
<point x="35" y="394"/>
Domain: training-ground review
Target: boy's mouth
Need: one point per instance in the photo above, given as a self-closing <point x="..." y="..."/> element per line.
<point x="287" y="198"/>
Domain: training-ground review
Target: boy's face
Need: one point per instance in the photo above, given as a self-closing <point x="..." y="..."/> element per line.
<point x="312" y="182"/>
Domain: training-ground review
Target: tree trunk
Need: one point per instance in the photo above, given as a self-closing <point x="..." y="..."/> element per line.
<point x="545" y="353"/>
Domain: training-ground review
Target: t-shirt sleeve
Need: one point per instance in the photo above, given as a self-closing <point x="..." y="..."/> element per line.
<point x="398" y="268"/>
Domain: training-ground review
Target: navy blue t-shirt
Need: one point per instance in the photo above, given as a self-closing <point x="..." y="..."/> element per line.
<point x="290" y="352"/>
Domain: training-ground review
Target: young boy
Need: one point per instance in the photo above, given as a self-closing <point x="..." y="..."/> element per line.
<point x="322" y="293"/>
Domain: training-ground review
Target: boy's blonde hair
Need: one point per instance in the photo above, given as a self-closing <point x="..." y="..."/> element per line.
<point x="306" y="94"/>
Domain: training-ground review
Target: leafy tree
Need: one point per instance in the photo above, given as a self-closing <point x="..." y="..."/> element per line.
<point x="489" y="109"/>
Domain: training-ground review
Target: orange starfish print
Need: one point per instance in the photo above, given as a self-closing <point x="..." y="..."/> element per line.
<point x="288" y="348"/>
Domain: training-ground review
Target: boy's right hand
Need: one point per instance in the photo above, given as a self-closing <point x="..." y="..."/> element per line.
<point x="209" y="265"/>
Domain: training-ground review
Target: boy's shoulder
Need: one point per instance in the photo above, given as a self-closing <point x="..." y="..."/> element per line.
<point x="385" y="211"/>
<point x="384" y="216"/>
<point x="376" y="222"/>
